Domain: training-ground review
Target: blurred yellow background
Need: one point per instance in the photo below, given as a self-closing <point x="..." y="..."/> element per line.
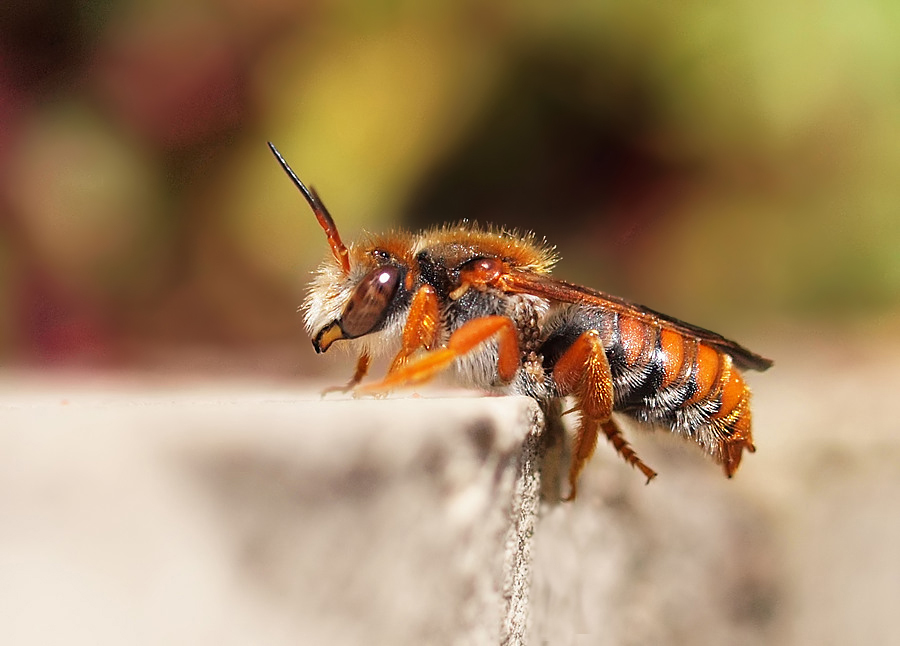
<point x="732" y="164"/>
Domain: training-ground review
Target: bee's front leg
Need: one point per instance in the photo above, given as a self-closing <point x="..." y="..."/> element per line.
<point x="421" y="329"/>
<point x="464" y="340"/>
<point x="362" y="369"/>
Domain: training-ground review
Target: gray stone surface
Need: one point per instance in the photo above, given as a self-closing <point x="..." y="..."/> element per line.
<point x="227" y="517"/>
<point x="236" y="513"/>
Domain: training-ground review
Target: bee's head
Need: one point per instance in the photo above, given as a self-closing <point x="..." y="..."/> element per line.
<point x="354" y="305"/>
<point x="347" y="299"/>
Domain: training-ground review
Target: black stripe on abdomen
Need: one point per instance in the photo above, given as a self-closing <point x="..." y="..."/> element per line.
<point x="642" y="379"/>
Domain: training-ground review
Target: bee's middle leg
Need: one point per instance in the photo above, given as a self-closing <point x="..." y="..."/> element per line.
<point x="464" y="340"/>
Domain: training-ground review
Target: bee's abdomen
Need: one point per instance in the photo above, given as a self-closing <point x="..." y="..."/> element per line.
<point x="663" y="376"/>
<point x="652" y="367"/>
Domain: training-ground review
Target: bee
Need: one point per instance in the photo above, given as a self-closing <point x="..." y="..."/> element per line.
<point x="480" y="303"/>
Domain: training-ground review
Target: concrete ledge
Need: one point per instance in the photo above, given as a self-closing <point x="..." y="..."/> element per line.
<point x="233" y="518"/>
<point x="248" y="513"/>
<point x="229" y="515"/>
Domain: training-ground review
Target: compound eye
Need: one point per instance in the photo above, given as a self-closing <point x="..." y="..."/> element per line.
<point x="368" y="306"/>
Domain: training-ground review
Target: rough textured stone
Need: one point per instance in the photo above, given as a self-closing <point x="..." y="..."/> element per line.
<point x="217" y="516"/>
<point x="234" y="514"/>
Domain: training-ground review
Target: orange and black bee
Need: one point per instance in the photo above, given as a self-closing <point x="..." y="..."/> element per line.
<point x="480" y="303"/>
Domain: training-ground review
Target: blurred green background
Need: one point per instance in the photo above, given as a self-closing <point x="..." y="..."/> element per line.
<point x="733" y="164"/>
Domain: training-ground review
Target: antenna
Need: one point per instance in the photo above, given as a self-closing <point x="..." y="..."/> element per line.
<point x="322" y="215"/>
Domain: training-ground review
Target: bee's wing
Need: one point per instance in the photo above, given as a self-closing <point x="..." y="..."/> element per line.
<point x="563" y="292"/>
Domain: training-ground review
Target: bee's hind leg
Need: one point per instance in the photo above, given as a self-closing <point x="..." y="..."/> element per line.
<point x="583" y="371"/>
<point x="623" y="448"/>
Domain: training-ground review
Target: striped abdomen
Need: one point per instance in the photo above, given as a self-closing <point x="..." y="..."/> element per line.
<point x="667" y="376"/>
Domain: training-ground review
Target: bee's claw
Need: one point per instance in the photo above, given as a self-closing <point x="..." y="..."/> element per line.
<point x="378" y="390"/>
